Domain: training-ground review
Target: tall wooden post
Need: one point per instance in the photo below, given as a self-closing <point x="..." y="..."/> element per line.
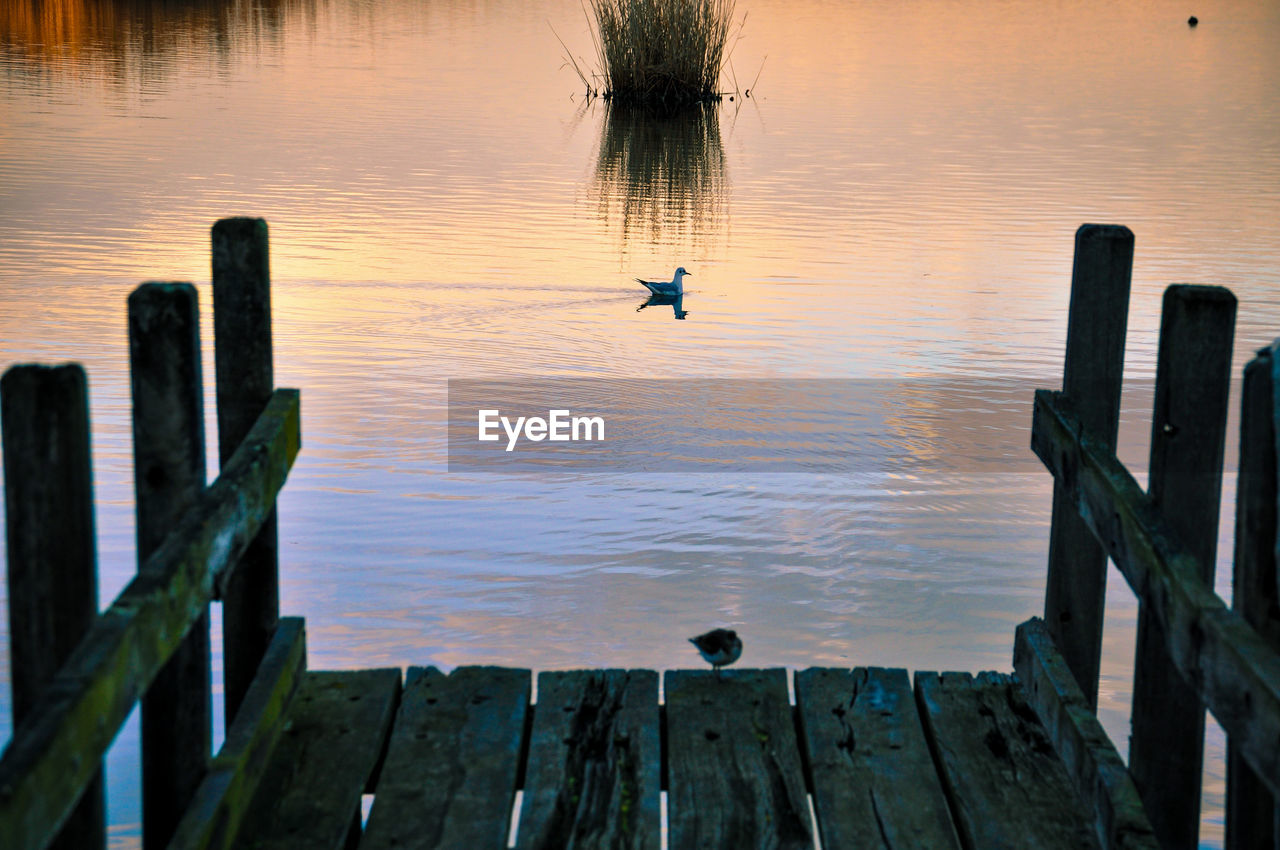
<point x="1076" y="586"/>
<point x="1188" y="432"/>
<point x="169" y="475"/>
<point x="242" y="344"/>
<point x="52" y="566"/>
<point x="1251" y="810"/>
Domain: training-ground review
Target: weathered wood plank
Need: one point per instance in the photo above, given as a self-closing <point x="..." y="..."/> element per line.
<point x="449" y="778"/>
<point x="734" y="772"/>
<point x="334" y="733"/>
<point x="1251" y="809"/>
<point x="245" y="379"/>
<point x="1097" y="770"/>
<point x="874" y="781"/>
<point x="1007" y="787"/>
<point x="55" y="751"/>
<point x="1188" y="433"/>
<point x="1075" y="590"/>
<point x="592" y="780"/>
<point x="169" y="474"/>
<point x="1230" y="666"/>
<point x="52" y="561"/>
<point x="213" y="820"/>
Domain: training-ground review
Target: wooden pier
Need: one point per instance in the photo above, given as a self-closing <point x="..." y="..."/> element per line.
<point x="857" y="758"/>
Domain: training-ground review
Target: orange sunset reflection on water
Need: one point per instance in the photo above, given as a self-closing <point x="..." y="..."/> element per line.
<point x="894" y="202"/>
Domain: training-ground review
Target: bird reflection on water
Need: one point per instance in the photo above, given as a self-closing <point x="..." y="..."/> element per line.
<point x="676" y="302"/>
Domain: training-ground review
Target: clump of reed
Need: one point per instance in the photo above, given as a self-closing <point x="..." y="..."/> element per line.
<point x="661" y="53"/>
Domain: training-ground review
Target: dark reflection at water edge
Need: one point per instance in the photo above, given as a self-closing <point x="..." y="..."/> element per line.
<point x="127" y="42"/>
<point x="659" y="171"/>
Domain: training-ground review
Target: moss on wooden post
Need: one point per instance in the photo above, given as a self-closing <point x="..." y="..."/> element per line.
<point x="1188" y="432"/>
<point x="169" y="475"/>
<point x="1077" y="581"/>
<point x="245" y="378"/>
<point x="52" y="567"/>
<point x="1251" y="808"/>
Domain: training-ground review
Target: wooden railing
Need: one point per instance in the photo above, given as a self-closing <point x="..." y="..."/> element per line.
<point x="1192" y="650"/>
<point x="77" y="674"/>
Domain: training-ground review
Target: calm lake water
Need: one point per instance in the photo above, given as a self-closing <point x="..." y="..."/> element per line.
<point x="895" y="202"/>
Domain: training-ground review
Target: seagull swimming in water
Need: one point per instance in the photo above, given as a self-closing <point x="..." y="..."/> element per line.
<point x="675" y="286"/>
<point x="720" y="647"/>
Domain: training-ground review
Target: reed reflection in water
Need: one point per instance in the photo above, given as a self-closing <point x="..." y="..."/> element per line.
<point x="659" y="173"/>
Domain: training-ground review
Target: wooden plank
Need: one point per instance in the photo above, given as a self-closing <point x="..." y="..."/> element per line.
<point x="245" y="379"/>
<point x="734" y="772"/>
<point x="1099" y="774"/>
<point x="1006" y="785"/>
<point x="1251" y="809"/>
<point x="334" y="734"/>
<point x="874" y="782"/>
<point x="169" y="475"/>
<point x="1188" y="433"/>
<point x="449" y="778"/>
<point x="592" y="779"/>
<point x="213" y="820"/>
<point x="55" y="751"/>
<point x="51" y="557"/>
<point x="1075" y="590"/>
<point x="1233" y="670"/>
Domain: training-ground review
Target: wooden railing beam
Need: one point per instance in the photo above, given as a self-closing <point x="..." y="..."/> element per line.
<point x="56" y="750"/>
<point x="220" y="804"/>
<point x="1229" y="666"/>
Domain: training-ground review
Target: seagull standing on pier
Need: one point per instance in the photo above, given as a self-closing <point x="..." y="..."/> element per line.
<point x="720" y="647"/>
<point x="675" y="286"/>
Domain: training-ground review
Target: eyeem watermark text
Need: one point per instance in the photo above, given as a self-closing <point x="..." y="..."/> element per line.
<point x="559" y="427"/>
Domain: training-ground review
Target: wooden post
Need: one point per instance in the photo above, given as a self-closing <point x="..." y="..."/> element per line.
<point x="169" y="475"/>
<point x="1188" y="431"/>
<point x="1076" y="586"/>
<point x="242" y="345"/>
<point x="52" y="566"/>
<point x="1250" y="807"/>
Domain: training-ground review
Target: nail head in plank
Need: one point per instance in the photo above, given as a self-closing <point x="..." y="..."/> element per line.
<point x="449" y="778"/>
<point x="874" y="781"/>
<point x="592" y="779"/>
<point x="334" y="733"/>
<point x="1006" y="784"/>
<point x="735" y="773"/>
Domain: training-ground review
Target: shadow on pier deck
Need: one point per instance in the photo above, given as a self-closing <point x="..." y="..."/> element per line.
<point x="748" y="759"/>
<point x="959" y="761"/>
